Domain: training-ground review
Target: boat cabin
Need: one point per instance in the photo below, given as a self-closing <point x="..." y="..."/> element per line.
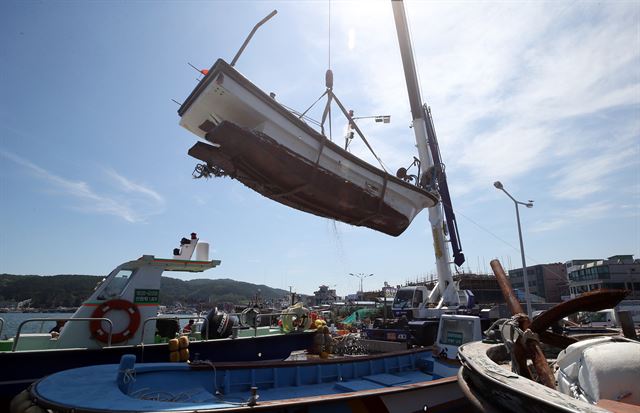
<point x="117" y="311"/>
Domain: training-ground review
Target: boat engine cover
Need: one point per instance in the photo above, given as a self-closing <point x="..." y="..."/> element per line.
<point x="219" y="325"/>
<point x="610" y="371"/>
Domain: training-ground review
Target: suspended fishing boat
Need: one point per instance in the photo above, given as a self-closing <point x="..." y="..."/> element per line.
<point x="404" y="381"/>
<point x="254" y="139"/>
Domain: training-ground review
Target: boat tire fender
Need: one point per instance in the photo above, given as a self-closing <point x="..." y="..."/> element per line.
<point x="134" y="321"/>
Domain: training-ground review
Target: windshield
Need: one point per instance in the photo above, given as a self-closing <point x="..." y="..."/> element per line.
<point x="116" y="284"/>
<point x="403" y="298"/>
<point x="599" y="317"/>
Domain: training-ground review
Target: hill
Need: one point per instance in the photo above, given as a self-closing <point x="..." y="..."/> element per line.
<point x="71" y="290"/>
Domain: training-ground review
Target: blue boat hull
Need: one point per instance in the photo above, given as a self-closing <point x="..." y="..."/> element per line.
<point x="393" y="382"/>
<point x="20" y="369"/>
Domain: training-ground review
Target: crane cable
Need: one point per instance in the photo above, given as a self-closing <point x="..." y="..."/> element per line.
<point x="331" y="96"/>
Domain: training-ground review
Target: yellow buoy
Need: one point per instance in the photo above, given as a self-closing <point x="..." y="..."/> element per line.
<point x="183" y="341"/>
<point x="184" y="354"/>
<point x="174" y="344"/>
<point x="174" y="356"/>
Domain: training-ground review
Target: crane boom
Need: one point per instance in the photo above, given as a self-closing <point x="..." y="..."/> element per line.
<point x="429" y="155"/>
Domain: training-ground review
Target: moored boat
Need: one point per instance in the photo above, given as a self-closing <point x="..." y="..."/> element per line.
<point x="120" y="318"/>
<point x="591" y="375"/>
<point x="405" y="381"/>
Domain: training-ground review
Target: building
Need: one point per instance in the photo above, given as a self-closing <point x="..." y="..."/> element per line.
<point x="548" y="281"/>
<point x="484" y="287"/>
<point x="616" y="272"/>
<point x="324" y="295"/>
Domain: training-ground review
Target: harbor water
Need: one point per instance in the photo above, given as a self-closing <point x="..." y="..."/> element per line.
<point x="12" y="322"/>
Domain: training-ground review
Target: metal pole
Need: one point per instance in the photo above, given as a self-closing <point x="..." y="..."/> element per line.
<point x="253" y="31"/>
<point x="525" y="279"/>
<point x="524" y="266"/>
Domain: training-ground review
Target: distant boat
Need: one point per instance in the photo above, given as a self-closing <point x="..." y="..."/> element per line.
<point x="404" y="381"/>
<point x="256" y="140"/>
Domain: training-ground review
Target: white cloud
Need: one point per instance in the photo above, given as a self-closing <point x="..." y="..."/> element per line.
<point x="587" y="176"/>
<point x="128" y="186"/>
<point x="580" y="215"/>
<point x="88" y="200"/>
<point x="511" y="85"/>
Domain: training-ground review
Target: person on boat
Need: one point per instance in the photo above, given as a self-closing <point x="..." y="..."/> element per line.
<point x="55" y="331"/>
<point x="188" y="329"/>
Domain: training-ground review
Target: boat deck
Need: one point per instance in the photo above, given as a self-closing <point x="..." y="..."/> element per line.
<point x="180" y="387"/>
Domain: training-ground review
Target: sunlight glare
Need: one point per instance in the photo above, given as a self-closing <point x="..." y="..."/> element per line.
<point x="351" y="39"/>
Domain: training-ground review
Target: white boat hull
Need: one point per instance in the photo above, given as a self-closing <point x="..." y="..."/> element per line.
<point x="225" y="97"/>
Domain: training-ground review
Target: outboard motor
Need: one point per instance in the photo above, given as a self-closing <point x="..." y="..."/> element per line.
<point x="217" y="325"/>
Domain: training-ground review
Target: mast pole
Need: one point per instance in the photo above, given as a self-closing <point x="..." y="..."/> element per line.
<point x="446" y="287"/>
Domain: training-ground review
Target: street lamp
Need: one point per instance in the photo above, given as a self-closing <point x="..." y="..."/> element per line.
<point x="350" y="126"/>
<point x="528" y="204"/>
<point x="362" y="276"/>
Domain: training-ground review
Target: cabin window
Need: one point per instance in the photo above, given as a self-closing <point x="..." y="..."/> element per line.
<point x="403" y="299"/>
<point x="417" y="299"/>
<point x="117" y="284"/>
<point x="456" y="332"/>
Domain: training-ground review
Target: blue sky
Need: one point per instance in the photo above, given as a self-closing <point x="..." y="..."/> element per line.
<point x="544" y="96"/>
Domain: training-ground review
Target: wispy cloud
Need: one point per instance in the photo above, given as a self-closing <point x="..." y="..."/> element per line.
<point x="130" y="201"/>
<point x="128" y="186"/>
<point x="569" y="217"/>
<point x="504" y="105"/>
<point x="587" y="176"/>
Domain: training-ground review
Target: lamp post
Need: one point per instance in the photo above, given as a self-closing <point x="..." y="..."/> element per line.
<point x="361" y="276"/>
<point x="528" y="204"/>
<point x="349" y="136"/>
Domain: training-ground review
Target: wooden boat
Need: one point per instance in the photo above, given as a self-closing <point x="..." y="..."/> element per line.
<point x="404" y="381"/>
<point x="126" y="302"/>
<point x="594" y="375"/>
<point x="254" y="139"/>
<point x="591" y="375"/>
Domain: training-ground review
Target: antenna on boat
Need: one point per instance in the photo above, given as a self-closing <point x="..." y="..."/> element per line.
<point x="253" y="31"/>
<point x="201" y="71"/>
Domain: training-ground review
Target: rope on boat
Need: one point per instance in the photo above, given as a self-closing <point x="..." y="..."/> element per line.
<point x="312" y="105"/>
<point x="128" y="375"/>
<point x="358" y="131"/>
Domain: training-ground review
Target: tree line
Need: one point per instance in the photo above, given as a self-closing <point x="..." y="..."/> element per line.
<point x="68" y="290"/>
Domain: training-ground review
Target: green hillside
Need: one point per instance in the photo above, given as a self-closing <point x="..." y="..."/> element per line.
<point x="70" y="290"/>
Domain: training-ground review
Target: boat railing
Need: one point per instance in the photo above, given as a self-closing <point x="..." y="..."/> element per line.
<point x="186" y="317"/>
<point x="66" y="320"/>
<point x="260" y="315"/>
<point x="144" y="326"/>
<point x="1" y="325"/>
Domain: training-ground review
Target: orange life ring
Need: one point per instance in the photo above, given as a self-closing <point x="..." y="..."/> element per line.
<point x="134" y="321"/>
